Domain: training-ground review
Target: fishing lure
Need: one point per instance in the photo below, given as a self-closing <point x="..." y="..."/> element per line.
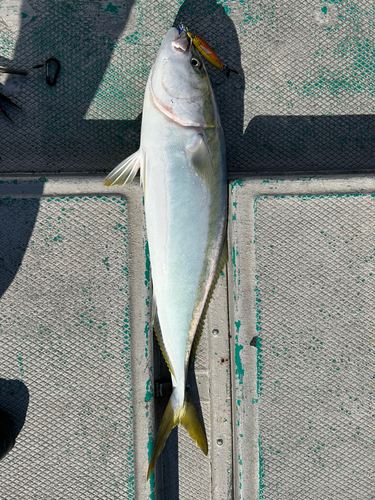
<point x="206" y="51"/>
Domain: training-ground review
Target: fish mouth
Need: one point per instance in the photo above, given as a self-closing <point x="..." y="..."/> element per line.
<point x="181" y="43"/>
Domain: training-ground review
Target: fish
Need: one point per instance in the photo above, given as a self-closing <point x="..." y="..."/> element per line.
<point x="183" y="170"/>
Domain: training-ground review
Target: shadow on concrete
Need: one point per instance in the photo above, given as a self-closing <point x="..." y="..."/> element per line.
<point x="167" y="466"/>
<point x="17" y="219"/>
<point x="209" y="20"/>
<point x="14" y="398"/>
<point x="82" y="37"/>
<point x="166" y="470"/>
<point x="277" y="145"/>
<point x="51" y="133"/>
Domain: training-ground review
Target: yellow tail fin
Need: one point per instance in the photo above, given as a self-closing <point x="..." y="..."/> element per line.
<point x="188" y="417"/>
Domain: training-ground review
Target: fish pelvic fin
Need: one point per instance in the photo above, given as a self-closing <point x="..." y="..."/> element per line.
<point x="125" y="171"/>
<point x="188" y="417"/>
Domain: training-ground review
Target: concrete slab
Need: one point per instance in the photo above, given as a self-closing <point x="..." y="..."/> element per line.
<point x="75" y="340"/>
<point x="303" y="345"/>
<point x="282" y="381"/>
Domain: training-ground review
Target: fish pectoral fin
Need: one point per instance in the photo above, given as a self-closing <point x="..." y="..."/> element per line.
<point x="125" y="171"/>
<point x="201" y="159"/>
<point x="187" y="416"/>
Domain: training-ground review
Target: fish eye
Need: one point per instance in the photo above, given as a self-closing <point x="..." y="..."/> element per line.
<point x="194" y="62"/>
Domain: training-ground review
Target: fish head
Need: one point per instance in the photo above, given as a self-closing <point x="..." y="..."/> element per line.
<point x="180" y="86"/>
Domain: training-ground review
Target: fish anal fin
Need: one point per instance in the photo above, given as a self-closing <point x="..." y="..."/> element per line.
<point x="222" y="262"/>
<point x="159" y="336"/>
<point x="125" y="171"/>
<point x="187" y="416"/>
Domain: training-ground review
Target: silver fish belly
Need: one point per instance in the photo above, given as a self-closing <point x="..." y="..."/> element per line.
<point x="183" y="171"/>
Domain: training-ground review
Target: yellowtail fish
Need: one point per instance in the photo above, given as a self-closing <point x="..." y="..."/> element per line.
<point x="183" y="170"/>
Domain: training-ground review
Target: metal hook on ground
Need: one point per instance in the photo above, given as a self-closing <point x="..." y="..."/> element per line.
<point x="52" y="66"/>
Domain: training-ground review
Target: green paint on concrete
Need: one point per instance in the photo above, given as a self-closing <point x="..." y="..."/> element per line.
<point x="112" y="8"/>
<point x="261" y="469"/>
<point x="149" y="393"/>
<point x="353" y="50"/>
<point x="146" y="330"/>
<point x="150" y="446"/>
<point x="237" y="357"/>
<point x="106" y="263"/>
<point x="234" y="253"/>
<point x="238" y="182"/>
<point x="148" y="265"/>
<point x="20" y="362"/>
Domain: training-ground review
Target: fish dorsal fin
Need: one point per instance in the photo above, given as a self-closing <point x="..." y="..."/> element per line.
<point x="200" y="158"/>
<point x="159" y="336"/>
<point x="222" y="262"/>
<point x="125" y="171"/>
